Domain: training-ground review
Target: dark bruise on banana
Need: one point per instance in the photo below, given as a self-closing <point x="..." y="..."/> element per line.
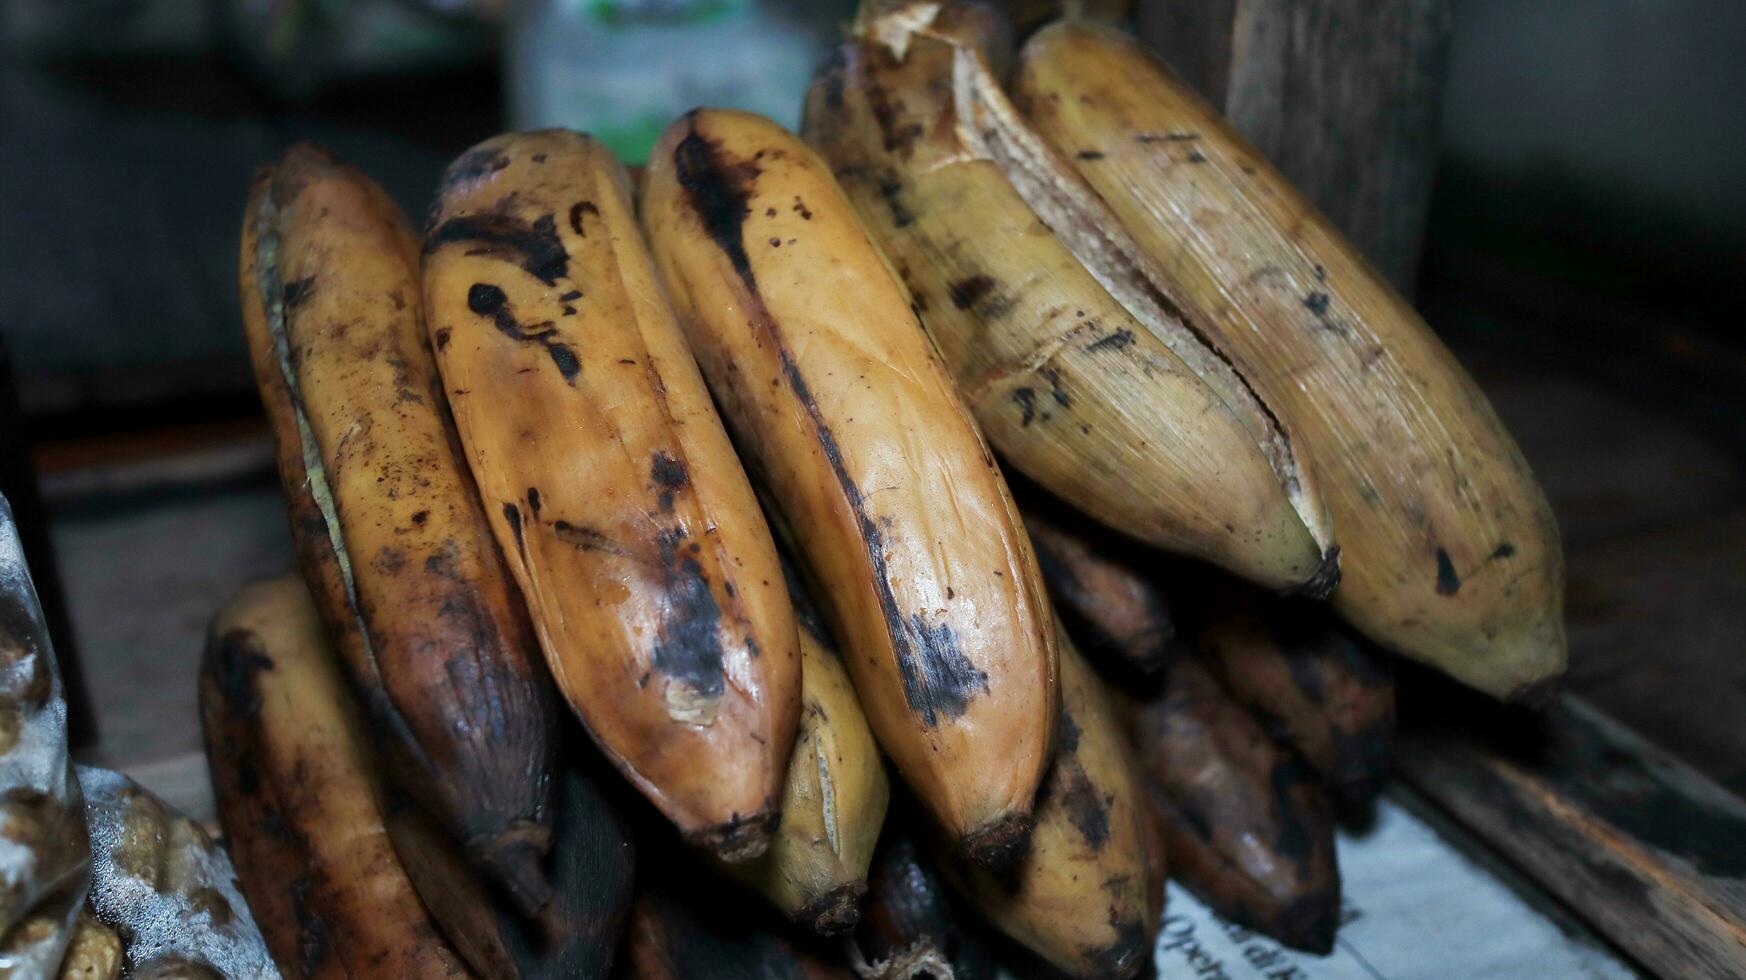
<point x="384" y="515"/>
<point x="984" y="127"/>
<point x="938" y="681"/>
<point x="616" y="496"/>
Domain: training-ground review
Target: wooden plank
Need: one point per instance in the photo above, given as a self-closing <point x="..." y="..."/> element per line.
<point x="1344" y="96"/>
<point x="1643" y="847"/>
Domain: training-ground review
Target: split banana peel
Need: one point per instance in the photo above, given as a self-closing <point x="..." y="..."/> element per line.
<point x="1081" y="377"/>
<point x="1451" y="553"/>
<point x="617" y="499"/>
<point x="387" y="524"/>
<point x="893" y="504"/>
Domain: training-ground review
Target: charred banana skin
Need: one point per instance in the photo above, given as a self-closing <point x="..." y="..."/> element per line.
<point x="298" y="799"/>
<point x="612" y="488"/>
<point x="1244" y="822"/>
<point x="387" y="524"/>
<point x="1317" y="688"/>
<point x="850" y="419"/>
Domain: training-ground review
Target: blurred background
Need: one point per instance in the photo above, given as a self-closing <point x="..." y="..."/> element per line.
<point x="1560" y="184"/>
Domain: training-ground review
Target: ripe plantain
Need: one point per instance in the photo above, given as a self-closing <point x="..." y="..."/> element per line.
<point x="297" y="793"/>
<point x="165" y="889"/>
<point x="577" y="933"/>
<point x="1116" y="609"/>
<point x="1311" y="684"/>
<point x="614" y="491"/>
<point x="1244" y="823"/>
<point x="834" y="804"/>
<point x="1088" y="896"/>
<point x="910" y="926"/>
<point x="1451" y="549"/>
<point x="387" y="523"/>
<point x="1126" y="415"/>
<point x="45" y="852"/>
<point x="895" y="506"/>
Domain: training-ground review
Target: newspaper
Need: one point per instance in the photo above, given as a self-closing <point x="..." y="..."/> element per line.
<point x="1415" y="908"/>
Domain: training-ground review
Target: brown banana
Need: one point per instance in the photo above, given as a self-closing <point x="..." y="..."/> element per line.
<point x="833" y="807"/>
<point x="1311" y="684"/>
<point x="1451" y="549"/>
<point x="45" y="863"/>
<point x="1087" y="897"/>
<point x="591" y="867"/>
<point x="1108" y="599"/>
<point x="1244" y="824"/>
<point x="893" y="503"/>
<point x="910" y="927"/>
<point x="1126" y="415"/>
<point x="613" y="489"/>
<point x="387" y="523"/>
<point x="295" y="782"/>
<point x="165" y="889"/>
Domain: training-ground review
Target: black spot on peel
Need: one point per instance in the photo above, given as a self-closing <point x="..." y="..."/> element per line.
<point x="891" y="190"/>
<point x="1068" y="738"/>
<point x="488" y="300"/>
<point x="577" y="210"/>
<point x="512" y="514"/>
<point x="937" y="678"/>
<point x="1317" y="303"/>
<point x="533" y="500"/>
<point x="474" y="164"/>
<point x="298" y="291"/>
<point x="1505" y="550"/>
<point x="1058" y="393"/>
<point x="1165" y="137"/>
<point x="443" y="335"/>
<point x="689" y="648"/>
<point x="668" y="472"/>
<point x="584" y="538"/>
<point x="534" y="247"/>
<point x="570" y="297"/>
<point x="1088" y="155"/>
<point x="1448" y="583"/>
<point x="241" y="656"/>
<point x="420" y="518"/>
<point x="1115" y="341"/>
<point x="1195" y="156"/>
<point x="1027" y="403"/>
<point x="1086" y="807"/>
<point x="969" y="291"/>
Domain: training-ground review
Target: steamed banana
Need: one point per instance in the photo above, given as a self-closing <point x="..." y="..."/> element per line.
<point x="1244" y="824"/>
<point x="1127" y="415"/>
<point x="389" y="530"/>
<point x="163" y="889"/>
<point x="815" y="871"/>
<point x="298" y="797"/>
<point x="614" y="491"/>
<point x="1310" y="683"/>
<point x="45" y="853"/>
<point x="1087" y="897"/>
<point x="1451" y="552"/>
<point x="1116" y="609"/>
<point x="892" y="501"/>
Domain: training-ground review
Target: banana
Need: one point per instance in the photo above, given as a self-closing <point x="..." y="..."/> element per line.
<point x="166" y="892"/>
<point x="686" y="924"/>
<point x="93" y="952"/>
<point x="1451" y="549"/>
<point x="1127" y="416"/>
<point x="1310" y="683"/>
<point x="834" y="804"/>
<point x="1118" y="611"/>
<point x="387" y="523"/>
<point x="45" y="858"/>
<point x="577" y="933"/>
<point x="614" y="491"/>
<point x="894" y="504"/>
<point x="910" y="927"/>
<point x="298" y="797"/>
<point x="1088" y="896"/>
<point x="1244" y="824"/>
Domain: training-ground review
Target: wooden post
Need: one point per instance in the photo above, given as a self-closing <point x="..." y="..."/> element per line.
<point x="1344" y="96"/>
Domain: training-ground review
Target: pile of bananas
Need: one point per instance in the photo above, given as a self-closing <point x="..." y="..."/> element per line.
<point x="710" y="459"/>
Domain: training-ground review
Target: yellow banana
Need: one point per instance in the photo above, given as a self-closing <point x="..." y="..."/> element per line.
<point x="815" y="871"/>
<point x="1451" y="552"/>
<point x="299" y="799"/>
<point x="388" y="527"/>
<point x="1128" y="416"/>
<point x="615" y="494"/>
<point x="1088" y="896"/>
<point x="894" y="504"/>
